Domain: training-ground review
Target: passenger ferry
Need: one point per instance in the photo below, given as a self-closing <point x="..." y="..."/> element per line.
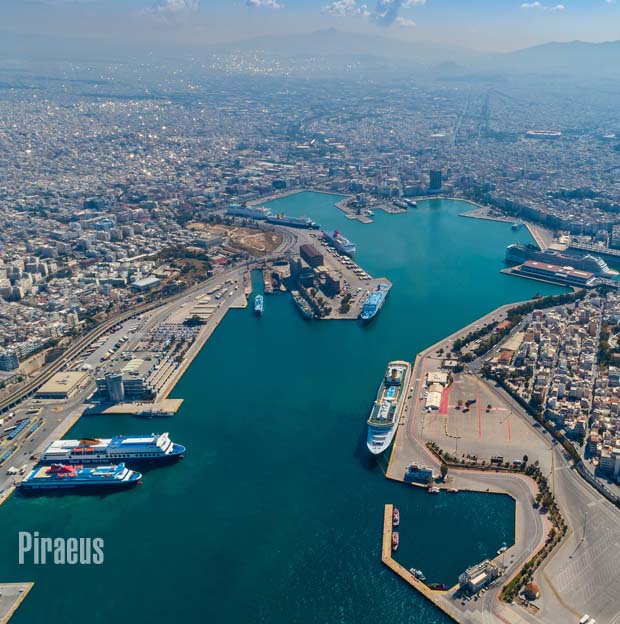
<point x="342" y="244"/>
<point x="153" y="449"/>
<point x="374" y="302"/>
<point x="259" y="305"/>
<point x="63" y="477"/>
<point x="386" y="410"/>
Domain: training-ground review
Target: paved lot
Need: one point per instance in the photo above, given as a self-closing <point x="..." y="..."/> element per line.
<point x="479" y="431"/>
<point x="11" y="595"/>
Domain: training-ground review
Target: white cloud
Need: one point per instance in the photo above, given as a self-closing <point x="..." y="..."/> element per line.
<point x="542" y="7"/>
<point x="174" y="7"/>
<point x="385" y="13"/>
<point x="405" y="22"/>
<point x="346" y="7"/>
<point x="267" y="4"/>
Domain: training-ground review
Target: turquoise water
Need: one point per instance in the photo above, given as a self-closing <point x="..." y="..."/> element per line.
<point x="276" y="513"/>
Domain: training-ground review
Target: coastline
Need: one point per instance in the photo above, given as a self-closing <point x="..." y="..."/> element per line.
<point x="520" y="488"/>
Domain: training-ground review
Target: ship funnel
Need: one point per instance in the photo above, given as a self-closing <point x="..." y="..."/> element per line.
<point x="394" y="373"/>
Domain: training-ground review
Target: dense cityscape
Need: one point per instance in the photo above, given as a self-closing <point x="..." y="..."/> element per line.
<point x="143" y="199"/>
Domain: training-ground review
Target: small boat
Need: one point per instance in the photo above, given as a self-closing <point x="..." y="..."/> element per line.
<point x="438" y="586"/>
<point x="395" y="517"/>
<point x="418" y="574"/>
<point x="503" y="549"/>
<point x="452" y="490"/>
<point x="395" y="540"/>
<point x="433" y="490"/>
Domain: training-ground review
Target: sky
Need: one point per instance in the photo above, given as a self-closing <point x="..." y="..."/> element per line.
<point x="479" y="24"/>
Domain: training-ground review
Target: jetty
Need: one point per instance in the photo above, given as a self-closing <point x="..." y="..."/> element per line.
<point x="13" y="595"/>
<point x="436" y="597"/>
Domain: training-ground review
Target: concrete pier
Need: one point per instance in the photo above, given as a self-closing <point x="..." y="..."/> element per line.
<point x="386" y="557"/>
<point x="11" y="596"/>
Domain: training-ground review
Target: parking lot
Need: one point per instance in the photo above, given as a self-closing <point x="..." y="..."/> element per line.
<point x="474" y="420"/>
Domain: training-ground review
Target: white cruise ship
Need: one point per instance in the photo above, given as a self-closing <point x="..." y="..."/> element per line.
<point x="388" y="405"/>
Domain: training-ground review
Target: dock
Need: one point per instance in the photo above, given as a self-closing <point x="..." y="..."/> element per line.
<point x="165" y="407"/>
<point x="12" y="595"/>
<point x="436" y="597"/>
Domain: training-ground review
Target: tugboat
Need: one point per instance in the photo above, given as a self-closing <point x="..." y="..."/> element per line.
<point x="438" y="586"/>
<point x="395" y="517"/>
<point x="418" y="574"/>
<point x="395" y="540"/>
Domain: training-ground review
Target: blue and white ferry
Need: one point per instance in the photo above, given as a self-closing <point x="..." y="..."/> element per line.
<point x="374" y="302"/>
<point x="62" y="477"/>
<point x="153" y="449"/>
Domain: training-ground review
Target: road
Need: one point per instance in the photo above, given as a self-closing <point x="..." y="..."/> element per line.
<point x="289" y="240"/>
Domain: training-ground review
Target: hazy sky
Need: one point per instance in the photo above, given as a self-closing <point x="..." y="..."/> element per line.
<point x="481" y="24"/>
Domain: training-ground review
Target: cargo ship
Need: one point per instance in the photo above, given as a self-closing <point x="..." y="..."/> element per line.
<point x="374" y="302"/>
<point x="302" y="305"/>
<point x="298" y="222"/>
<point x="259" y="305"/>
<point x="386" y="410"/>
<point x="518" y="254"/>
<point x="64" y="477"/>
<point x="339" y="242"/>
<point x="151" y="449"/>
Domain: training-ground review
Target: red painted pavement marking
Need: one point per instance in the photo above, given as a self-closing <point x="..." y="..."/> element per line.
<point x="479" y="417"/>
<point x="445" y="395"/>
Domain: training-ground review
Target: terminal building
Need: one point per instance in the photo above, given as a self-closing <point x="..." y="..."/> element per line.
<point x="63" y="385"/>
<point x="566" y="276"/>
<point x="479" y="576"/>
<point x="128" y="377"/>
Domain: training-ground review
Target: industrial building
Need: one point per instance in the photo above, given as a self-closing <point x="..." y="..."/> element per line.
<point x="127" y="378"/>
<point x="311" y="255"/>
<point x="479" y="576"/>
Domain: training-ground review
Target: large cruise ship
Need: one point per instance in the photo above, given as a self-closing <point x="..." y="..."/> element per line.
<point x="518" y="254"/>
<point x="63" y="477"/>
<point x="342" y="244"/>
<point x="374" y="302"/>
<point x="298" y="222"/>
<point x="153" y="449"/>
<point x="251" y="212"/>
<point x="386" y="410"/>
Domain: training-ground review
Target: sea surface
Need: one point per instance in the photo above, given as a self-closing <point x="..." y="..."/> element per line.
<point x="275" y="514"/>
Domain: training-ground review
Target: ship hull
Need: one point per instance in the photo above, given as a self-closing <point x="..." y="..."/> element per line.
<point x="75" y="460"/>
<point x="380" y="435"/>
<point x="39" y="488"/>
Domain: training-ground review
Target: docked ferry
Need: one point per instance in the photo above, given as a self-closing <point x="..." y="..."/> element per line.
<point x="259" y="305"/>
<point x="153" y="449"/>
<point x="340" y="243"/>
<point x="64" y="477"/>
<point x="388" y="405"/>
<point x="374" y="302"/>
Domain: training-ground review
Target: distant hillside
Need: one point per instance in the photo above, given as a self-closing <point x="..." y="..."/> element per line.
<point x="572" y="57"/>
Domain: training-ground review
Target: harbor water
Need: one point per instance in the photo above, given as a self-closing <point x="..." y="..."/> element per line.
<point x="275" y="514"/>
